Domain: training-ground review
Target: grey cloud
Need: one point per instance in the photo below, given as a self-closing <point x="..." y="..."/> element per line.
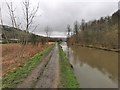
<point x="58" y="14"/>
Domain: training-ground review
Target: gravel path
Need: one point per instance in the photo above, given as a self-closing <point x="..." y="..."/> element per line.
<point x="46" y="74"/>
<point x="50" y="76"/>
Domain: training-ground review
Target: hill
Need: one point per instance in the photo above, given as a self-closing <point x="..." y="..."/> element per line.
<point x="98" y="33"/>
<point x="116" y="17"/>
<point x="10" y="34"/>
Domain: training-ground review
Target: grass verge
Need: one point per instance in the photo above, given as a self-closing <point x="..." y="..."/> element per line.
<point x="17" y="76"/>
<point x="67" y="77"/>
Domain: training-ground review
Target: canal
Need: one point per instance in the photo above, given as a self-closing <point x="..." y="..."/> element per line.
<point x="93" y="68"/>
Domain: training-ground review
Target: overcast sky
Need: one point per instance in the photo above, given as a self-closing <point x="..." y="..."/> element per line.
<point x="58" y="13"/>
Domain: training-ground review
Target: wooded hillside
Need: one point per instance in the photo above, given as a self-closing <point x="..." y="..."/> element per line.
<point x="101" y="33"/>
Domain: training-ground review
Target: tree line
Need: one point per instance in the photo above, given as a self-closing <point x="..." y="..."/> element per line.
<point x="100" y="33"/>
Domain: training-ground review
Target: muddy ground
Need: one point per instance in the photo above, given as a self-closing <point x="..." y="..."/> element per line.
<point x="46" y="74"/>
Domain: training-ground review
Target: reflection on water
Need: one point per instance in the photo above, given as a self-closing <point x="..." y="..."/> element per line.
<point x="93" y="68"/>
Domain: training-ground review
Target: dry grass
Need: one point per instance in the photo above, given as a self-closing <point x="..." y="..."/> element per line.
<point x="13" y="55"/>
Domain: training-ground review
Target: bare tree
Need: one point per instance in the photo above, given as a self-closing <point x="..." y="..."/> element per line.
<point x="13" y="19"/>
<point x="68" y="33"/>
<point x="83" y="24"/>
<point x="68" y="30"/>
<point x="76" y="30"/>
<point x="29" y="14"/>
<point x="12" y="14"/>
<point x="48" y="33"/>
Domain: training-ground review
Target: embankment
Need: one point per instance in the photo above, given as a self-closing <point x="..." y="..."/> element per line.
<point x="67" y="77"/>
<point x="101" y="48"/>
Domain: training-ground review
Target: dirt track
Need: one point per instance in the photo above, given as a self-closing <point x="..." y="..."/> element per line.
<point x="46" y="74"/>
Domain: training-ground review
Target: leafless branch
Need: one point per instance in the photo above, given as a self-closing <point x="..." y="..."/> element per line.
<point x="35" y="28"/>
<point x="29" y="15"/>
<point x="11" y="13"/>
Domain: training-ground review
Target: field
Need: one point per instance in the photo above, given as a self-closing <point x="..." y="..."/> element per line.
<point x="15" y="55"/>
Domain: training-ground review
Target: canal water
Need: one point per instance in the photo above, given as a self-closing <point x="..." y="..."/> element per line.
<point x="93" y="68"/>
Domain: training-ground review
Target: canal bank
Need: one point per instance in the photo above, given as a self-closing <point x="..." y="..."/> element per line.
<point x="93" y="68"/>
<point x="100" y="48"/>
<point x="67" y="77"/>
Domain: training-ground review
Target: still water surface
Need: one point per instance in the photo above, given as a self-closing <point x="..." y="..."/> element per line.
<point x="93" y="68"/>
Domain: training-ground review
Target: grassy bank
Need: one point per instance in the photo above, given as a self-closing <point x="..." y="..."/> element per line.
<point x="99" y="47"/>
<point x="67" y="77"/>
<point x="18" y="75"/>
